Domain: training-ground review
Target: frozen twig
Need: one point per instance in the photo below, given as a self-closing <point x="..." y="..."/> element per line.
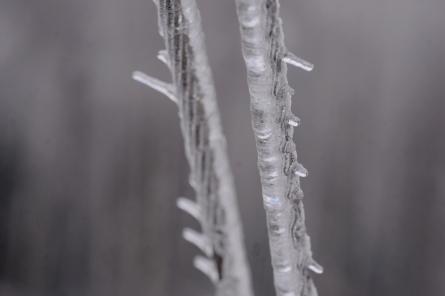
<point x="270" y="95"/>
<point x="156" y="84"/>
<point x="207" y="267"/>
<point x="221" y="239"/>
<point x="293" y="60"/>
<point x="190" y="207"/>
<point x="199" y="240"/>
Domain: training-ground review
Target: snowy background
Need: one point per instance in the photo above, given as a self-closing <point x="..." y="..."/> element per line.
<point x="91" y="162"/>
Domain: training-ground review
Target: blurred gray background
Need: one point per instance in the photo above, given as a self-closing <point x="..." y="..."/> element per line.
<point x="91" y="162"/>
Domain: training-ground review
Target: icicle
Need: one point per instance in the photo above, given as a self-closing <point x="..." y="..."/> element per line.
<point x="300" y="170"/>
<point x="315" y="267"/>
<point x="207" y="267"/>
<point x="199" y="240"/>
<point x="163" y="57"/>
<point x="164" y="88"/>
<point x="189" y="206"/>
<point x="294" y="120"/>
<point x="293" y="60"/>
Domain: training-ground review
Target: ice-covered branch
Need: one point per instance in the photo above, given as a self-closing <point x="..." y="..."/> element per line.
<point x="221" y="238"/>
<point x="266" y="57"/>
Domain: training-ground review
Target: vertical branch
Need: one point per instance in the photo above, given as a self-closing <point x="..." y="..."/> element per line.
<point x="192" y="89"/>
<point x="266" y="57"/>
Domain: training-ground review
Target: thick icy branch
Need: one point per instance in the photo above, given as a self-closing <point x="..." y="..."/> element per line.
<point x="266" y="57"/>
<point x="221" y="238"/>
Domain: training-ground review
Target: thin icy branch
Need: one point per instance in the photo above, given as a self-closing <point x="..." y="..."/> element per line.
<point x="221" y="238"/>
<point x="293" y="60"/>
<point x="156" y="84"/>
<point x="266" y="58"/>
<point x="199" y="240"/>
<point x="190" y="207"/>
<point x="207" y="267"/>
<point x="315" y="267"/>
